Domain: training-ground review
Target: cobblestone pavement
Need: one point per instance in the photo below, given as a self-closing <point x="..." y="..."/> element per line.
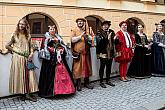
<point x="124" y="96"/>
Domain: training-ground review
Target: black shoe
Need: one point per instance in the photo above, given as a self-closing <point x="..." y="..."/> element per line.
<point x="88" y="86"/>
<point x="103" y="85"/>
<point x="22" y="98"/>
<point x="79" y="88"/>
<point x="78" y="85"/>
<point x="28" y="97"/>
<point x="109" y="83"/>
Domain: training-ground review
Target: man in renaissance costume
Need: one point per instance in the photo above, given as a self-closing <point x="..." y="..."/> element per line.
<point x="124" y="44"/>
<point x="81" y="39"/>
<point x="105" y="51"/>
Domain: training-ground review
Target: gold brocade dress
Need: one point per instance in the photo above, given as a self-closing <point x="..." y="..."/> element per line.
<point x="21" y="80"/>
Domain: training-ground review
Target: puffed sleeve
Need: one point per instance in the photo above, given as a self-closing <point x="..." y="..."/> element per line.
<point x="155" y="37"/>
<point x="31" y="47"/>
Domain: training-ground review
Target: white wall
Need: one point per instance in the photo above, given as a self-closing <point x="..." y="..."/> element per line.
<point x="5" y="63"/>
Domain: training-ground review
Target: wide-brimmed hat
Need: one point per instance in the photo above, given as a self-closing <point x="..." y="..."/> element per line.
<point x="83" y="19"/>
<point x="163" y="24"/>
<point x="122" y="23"/>
<point x="106" y="22"/>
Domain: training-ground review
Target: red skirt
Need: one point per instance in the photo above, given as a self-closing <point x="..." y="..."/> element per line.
<point x="62" y="82"/>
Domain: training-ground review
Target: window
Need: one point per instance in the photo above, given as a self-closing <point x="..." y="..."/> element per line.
<point x="160" y="1"/>
<point x="94" y="22"/>
<point x="39" y="24"/>
<point x="132" y="24"/>
<point x="36" y="29"/>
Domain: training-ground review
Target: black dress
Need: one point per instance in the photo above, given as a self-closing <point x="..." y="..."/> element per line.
<point x="140" y="67"/>
<point x="48" y="73"/>
<point x="158" y="55"/>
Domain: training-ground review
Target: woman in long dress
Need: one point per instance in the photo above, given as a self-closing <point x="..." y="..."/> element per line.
<point x="158" y="52"/>
<point x="22" y="80"/>
<point x="140" y="67"/>
<point x="55" y="76"/>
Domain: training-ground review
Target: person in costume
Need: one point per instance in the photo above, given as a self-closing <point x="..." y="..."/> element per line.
<point x="105" y="51"/>
<point x="55" y="75"/>
<point x="140" y="67"/>
<point x="22" y="80"/>
<point x="158" y="51"/>
<point x="124" y="44"/>
<point x="81" y="39"/>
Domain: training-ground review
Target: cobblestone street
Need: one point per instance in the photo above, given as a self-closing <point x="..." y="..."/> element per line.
<point x="133" y="95"/>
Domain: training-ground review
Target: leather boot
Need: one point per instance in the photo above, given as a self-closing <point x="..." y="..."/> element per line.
<point x="86" y="83"/>
<point x="103" y="85"/>
<point x="110" y="83"/>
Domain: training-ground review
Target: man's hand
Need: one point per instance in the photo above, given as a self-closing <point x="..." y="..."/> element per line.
<point x="109" y="35"/>
<point x="83" y="34"/>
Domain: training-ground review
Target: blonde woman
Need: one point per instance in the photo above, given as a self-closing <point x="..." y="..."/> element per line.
<point x="22" y="80"/>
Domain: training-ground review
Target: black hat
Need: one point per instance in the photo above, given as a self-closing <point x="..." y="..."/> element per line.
<point x="163" y="24"/>
<point x="106" y="22"/>
<point x="83" y="19"/>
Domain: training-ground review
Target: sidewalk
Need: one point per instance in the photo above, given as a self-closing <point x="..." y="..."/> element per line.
<point x="146" y="94"/>
<point x="158" y="104"/>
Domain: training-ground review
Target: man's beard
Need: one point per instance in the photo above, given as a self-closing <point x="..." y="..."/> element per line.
<point x="106" y="29"/>
<point x="80" y="26"/>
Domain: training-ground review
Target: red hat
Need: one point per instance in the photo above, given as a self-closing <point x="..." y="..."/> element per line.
<point x="123" y="22"/>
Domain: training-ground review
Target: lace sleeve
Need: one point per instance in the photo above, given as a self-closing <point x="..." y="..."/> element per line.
<point x="155" y="37"/>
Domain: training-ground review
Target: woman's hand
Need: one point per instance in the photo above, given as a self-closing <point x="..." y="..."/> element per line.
<point x="146" y="46"/>
<point x="61" y="49"/>
<point x="51" y="49"/>
<point x="140" y="45"/>
<point x="163" y="46"/>
<point x="160" y="44"/>
<point x="55" y="39"/>
<point x="30" y="57"/>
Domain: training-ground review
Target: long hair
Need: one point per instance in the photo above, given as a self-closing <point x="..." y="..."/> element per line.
<point x="26" y="30"/>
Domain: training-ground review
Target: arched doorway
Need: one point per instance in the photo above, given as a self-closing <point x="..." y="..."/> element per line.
<point x="39" y="24"/>
<point x="94" y="22"/>
<point x="132" y="24"/>
<point x="163" y="22"/>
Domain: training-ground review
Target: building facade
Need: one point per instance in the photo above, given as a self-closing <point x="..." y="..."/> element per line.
<point x="63" y="14"/>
